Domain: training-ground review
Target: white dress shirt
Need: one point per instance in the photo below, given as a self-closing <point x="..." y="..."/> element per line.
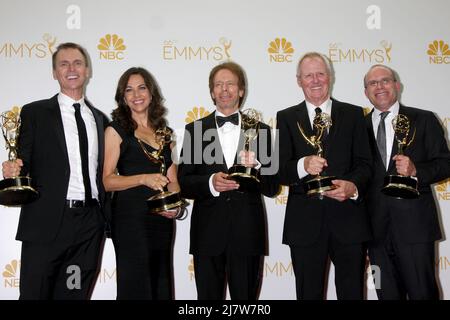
<point x="393" y="111"/>
<point x="229" y="135"/>
<point x="76" y="185"/>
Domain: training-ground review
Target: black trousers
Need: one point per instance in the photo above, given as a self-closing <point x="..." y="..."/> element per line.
<point x="243" y="274"/>
<point x="407" y="270"/>
<point x="310" y="266"/>
<point x="66" y="268"/>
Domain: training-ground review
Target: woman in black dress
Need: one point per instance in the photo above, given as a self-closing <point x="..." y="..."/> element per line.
<point x="142" y="241"/>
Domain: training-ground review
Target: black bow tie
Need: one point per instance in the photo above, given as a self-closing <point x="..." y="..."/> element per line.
<point x="234" y="119"/>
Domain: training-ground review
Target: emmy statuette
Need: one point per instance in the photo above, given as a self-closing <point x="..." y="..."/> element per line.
<point x="165" y="200"/>
<point x="14" y="191"/>
<point x="395" y="185"/>
<point x="319" y="184"/>
<point x="247" y="177"/>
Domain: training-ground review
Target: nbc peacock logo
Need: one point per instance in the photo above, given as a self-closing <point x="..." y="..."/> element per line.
<point x="442" y="190"/>
<point x="11" y="274"/>
<point x="280" y="50"/>
<point x="196" y="113"/>
<point x="438" y="52"/>
<point x="111" y="47"/>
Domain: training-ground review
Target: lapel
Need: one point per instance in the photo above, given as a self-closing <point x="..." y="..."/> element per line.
<point x="302" y="118"/>
<point x="372" y="140"/>
<point x="391" y="167"/>
<point x="336" y="118"/>
<point x="100" y="130"/>
<point x="209" y="123"/>
<point x="55" y="114"/>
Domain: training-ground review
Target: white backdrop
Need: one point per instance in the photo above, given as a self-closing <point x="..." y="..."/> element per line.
<point x="180" y="41"/>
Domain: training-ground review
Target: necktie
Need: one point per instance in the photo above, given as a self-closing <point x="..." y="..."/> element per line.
<point x="325" y="131"/>
<point x="381" y="136"/>
<point x="234" y="119"/>
<point x="83" y="141"/>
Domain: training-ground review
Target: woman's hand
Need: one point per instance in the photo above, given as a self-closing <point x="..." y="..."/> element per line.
<point x="155" y="181"/>
<point x="170" y="214"/>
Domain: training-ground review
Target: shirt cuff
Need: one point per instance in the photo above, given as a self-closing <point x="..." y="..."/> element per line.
<point x="301" y="168"/>
<point x="211" y="187"/>
<point x="355" y="195"/>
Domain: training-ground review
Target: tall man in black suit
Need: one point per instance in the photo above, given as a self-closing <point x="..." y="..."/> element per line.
<point x="335" y="224"/>
<point x="61" y="148"/>
<point x="228" y="232"/>
<point x="404" y="230"/>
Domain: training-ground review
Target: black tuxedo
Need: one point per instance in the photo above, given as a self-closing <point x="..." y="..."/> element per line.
<point x="310" y="221"/>
<point x="408" y="224"/>
<point x="233" y="223"/>
<point x="44" y="222"/>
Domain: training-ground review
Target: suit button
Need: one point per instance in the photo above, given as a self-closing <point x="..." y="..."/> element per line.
<point x="228" y="199"/>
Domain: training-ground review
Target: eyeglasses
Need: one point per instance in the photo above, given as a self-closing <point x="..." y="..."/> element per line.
<point x="375" y="83"/>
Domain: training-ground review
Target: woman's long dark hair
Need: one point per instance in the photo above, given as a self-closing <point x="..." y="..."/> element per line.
<point x="156" y="111"/>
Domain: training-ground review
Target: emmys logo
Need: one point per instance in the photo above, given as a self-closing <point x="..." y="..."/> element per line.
<point x="280" y="50"/>
<point x="191" y="270"/>
<point x="10" y="274"/>
<point x="278" y="269"/>
<point x="111" y="47"/>
<point x="106" y="275"/>
<point x="40" y="49"/>
<point x="218" y="52"/>
<point x="443" y="263"/>
<point x="282" y="197"/>
<point x="442" y="190"/>
<point x="365" y="55"/>
<point x="438" y="52"/>
<point x="195" y="114"/>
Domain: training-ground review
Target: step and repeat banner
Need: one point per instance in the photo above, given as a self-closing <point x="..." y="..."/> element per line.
<point x="179" y="42"/>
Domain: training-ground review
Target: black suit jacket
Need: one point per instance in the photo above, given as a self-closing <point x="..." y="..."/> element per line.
<point x="348" y="155"/>
<point x="413" y="220"/>
<point x="232" y="220"/>
<point x="42" y="147"/>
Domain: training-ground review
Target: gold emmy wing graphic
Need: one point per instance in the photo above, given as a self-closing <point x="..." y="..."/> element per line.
<point x="14" y="191"/>
<point x="247" y="177"/>
<point x="165" y="200"/>
<point x="398" y="186"/>
<point x="319" y="184"/>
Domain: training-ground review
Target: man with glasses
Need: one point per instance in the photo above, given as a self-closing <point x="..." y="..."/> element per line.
<point x="334" y="224"/>
<point x="404" y="230"/>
